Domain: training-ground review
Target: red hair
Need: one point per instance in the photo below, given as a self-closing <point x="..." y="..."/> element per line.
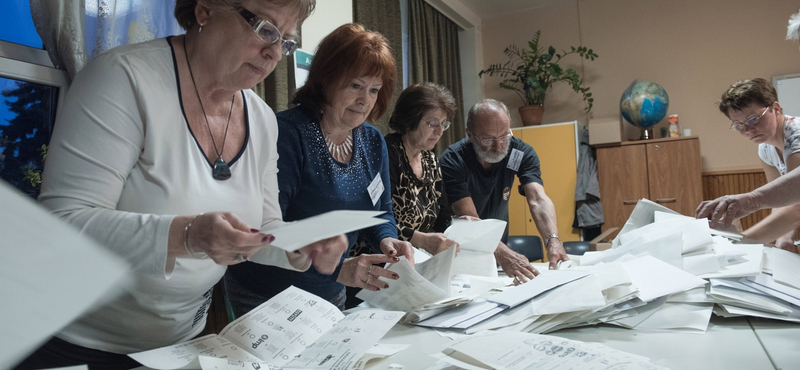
<point x="348" y="52"/>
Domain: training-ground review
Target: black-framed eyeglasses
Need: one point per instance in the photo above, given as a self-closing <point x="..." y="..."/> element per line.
<point x="488" y="141"/>
<point x="267" y="32"/>
<point x="433" y="123"/>
<point x="739" y="126"/>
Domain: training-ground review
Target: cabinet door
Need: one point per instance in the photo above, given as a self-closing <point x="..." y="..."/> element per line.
<point x="555" y="144"/>
<point x="622" y="173"/>
<point x="675" y="173"/>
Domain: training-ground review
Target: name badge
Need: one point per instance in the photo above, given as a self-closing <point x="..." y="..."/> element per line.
<point x="514" y="160"/>
<point x="375" y="189"/>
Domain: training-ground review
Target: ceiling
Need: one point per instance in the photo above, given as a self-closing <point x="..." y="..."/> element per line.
<point x="492" y="8"/>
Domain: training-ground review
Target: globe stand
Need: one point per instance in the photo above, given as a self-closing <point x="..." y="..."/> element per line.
<point x="647" y="134"/>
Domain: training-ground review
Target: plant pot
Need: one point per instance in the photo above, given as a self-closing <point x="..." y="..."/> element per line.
<point x="531" y="115"/>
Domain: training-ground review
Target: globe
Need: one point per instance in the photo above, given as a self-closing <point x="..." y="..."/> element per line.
<point x="644" y="104"/>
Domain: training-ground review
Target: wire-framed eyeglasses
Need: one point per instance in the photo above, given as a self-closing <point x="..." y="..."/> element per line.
<point x="435" y="124"/>
<point x="267" y="32"/>
<point x="500" y="140"/>
<point x="739" y="126"/>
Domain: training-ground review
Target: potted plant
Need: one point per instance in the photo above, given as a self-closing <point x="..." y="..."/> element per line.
<point x="530" y="73"/>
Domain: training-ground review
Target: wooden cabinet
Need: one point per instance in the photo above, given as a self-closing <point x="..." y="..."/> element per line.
<point x="666" y="171"/>
<point x="557" y="148"/>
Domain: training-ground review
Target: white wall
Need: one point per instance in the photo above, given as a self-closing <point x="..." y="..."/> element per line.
<point x="328" y="15"/>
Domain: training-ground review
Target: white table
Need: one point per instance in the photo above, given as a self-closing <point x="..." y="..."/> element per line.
<point x="780" y="339"/>
<point x="728" y="344"/>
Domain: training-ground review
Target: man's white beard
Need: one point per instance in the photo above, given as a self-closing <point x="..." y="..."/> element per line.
<point x="490" y="157"/>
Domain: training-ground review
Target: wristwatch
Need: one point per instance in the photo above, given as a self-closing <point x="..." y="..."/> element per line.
<point x="549" y="237"/>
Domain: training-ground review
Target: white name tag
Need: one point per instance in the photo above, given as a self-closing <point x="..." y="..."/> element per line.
<point x="514" y="160"/>
<point x="375" y="189"/>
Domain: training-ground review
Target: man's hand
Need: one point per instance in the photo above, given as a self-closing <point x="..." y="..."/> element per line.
<point x="514" y="264"/>
<point x="555" y="253"/>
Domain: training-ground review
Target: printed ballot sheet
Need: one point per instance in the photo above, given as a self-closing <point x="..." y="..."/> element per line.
<point x="408" y="292"/>
<point x="517" y="351"/>
<point x="277" y="331"/>
<point x="50" y="273"/>
<point x="295" y="235"/>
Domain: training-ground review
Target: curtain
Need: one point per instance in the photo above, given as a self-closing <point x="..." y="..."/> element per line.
<point x="384" y="16"/>
<point x="434" y="57"/>
<point x="75" y="31"/>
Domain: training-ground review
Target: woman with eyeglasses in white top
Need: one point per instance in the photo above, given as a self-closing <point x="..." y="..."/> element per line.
<point x="164" y="155"/>
<point x="755" y="113"/>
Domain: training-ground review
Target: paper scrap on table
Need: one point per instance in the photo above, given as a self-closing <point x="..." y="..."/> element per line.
<point x="517" y="351"/>
<point x="295" y="235"/>
<point x="50" y="273"/>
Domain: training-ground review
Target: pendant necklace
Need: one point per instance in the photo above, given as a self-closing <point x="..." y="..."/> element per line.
<point x="221" y="170"/>
<point x="340" y="151"/>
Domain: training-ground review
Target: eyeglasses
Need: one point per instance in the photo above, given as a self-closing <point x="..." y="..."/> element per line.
<point x="434" y="124"/>
<point x="267" y="32"/>
<point x="738" y="126"/>
<point x="488" y="141"/>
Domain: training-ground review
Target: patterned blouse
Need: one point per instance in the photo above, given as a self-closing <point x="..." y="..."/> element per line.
<point x="419" y="204"/>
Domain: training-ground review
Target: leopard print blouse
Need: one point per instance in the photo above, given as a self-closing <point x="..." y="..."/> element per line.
<point x="419" y="204"/>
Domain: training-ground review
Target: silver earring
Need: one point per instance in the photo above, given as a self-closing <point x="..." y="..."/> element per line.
<point x="201" y="28"/>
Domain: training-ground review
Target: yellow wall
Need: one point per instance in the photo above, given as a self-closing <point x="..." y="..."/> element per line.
<point x="555" y="146"/>
<point x="695" y="49"/>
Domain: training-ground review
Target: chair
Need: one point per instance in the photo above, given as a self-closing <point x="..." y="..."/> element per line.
<point x="529" y="246"/>
<point x="576" y="248"/>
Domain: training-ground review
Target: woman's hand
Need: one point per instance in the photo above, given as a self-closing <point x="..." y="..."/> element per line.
<point x="360" y="271"/>
<point x="786" y="244"/>
<point x="396" y="248"/>
<point x="721" y="212"/>
<point x="220" y="236"/>
<point x="324" y="255"/>
<point x="433" y="243"/>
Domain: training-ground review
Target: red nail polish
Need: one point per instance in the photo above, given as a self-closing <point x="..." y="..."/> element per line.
<point x="395" y="276"/>
<point x="271" y="238"/>
<point x="254" y="230"/>
<point x="266" y="239"/>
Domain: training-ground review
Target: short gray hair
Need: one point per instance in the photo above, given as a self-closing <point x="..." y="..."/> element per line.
<point x="793" y="31"/>
<point x="484" y="105"/>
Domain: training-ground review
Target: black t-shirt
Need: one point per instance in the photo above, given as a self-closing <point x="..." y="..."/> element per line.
<point x="489" y="189"/>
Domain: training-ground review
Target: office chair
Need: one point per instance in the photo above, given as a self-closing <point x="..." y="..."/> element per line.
<point x="529" y="246"/>
<point x="576" y="248"/>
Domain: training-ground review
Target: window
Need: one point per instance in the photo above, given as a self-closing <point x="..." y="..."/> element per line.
<point x="30" y="90"/>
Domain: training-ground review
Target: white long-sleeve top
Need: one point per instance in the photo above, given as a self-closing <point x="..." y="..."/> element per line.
<point x="122" y="163"/>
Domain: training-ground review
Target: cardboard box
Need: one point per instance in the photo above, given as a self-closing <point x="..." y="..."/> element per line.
<point x="605" y="130"/>
<point x="602" y="241"/>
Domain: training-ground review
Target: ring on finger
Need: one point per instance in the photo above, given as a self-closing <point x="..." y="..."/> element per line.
<point x="368" y="279"/>
<point x="369" y="269"/>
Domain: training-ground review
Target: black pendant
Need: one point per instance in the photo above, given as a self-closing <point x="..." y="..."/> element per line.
<point x="221" y="170"/>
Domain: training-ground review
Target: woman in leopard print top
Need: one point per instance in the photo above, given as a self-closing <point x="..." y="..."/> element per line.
<point x="420" y="206"/>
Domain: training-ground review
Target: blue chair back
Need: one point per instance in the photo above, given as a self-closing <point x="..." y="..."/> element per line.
<point x="529" y="246"/>
<point x="576" y="248"/>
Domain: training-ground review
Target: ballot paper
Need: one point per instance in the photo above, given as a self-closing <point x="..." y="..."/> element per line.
<point x="408" y="292"/>
<point x="294" y="329"/>
<point x="517" y="351"/>
<point x="666" y="247"/>
<point x="695" y="234"/>
<point x="745" y="260"/>
<point x="379" y="351"/>
<point x="643" y="214"/>
<point x="295" y="235"/>
<point x="470" y="314"/>
<point x="50" y="273"/>
<point x="654" y="278"/>
<point x="477" y="241"/>
<point x="679" y="317"/>
<point x="785" y="267"/>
